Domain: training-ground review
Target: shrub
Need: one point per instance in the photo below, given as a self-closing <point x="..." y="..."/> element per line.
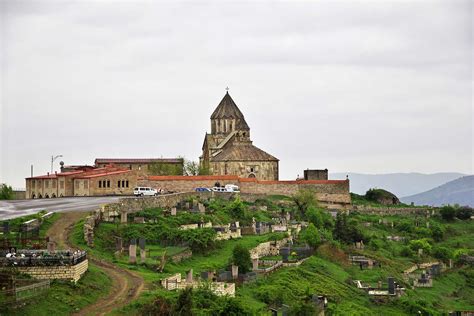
<point x="442" y="253"/>
<point x="407" y="252"/>
<point x="464" y="212"/>
<point x="420" y="244"/>
<point x="448" y="212"/>
<point x="6" y="192"/>
<point x="241" y="258"/>
<point x="311" y="236"/>
<point x="437" y="232"/>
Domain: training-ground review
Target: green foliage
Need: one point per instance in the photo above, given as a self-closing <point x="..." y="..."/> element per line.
<point x="304" y="199"/>
<point x="442" y="253"/>
<point x="310" y="235"/>
<point x="319" y="217"/>
<point x="464" y="212"/>
<point x="193" y="168"/>
<point x="165" y="169"/>
<point x="378" y="195"/>
<point x="184" y="305"/>
<point x="437" y="232"/>
<point x="420" y="244"/>
<point x="448" y="212"/>
<point x="346" y="230"/>
<point x="237" y="209"/>
<point x="241" y="258"/>
<point x="6" y="192"/>
<point x="406" y="251"/>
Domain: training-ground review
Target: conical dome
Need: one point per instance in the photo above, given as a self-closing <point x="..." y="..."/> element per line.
<point x="227" y="109"/>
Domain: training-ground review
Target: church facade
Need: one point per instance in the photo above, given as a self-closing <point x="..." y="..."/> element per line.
<point x="229" y="150"/>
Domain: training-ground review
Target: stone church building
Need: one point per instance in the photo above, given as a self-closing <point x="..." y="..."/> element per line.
<point x="228" y="149"/>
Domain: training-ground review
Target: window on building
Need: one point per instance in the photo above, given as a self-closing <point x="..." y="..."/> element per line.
<point x="33" y="183"/>
<point x="46" y="184"/>
<point x="86" y="184"/>
<point x="126" y="183"/>
<point x="108" y="183"/>
<point x="61" y="184"/>
<point x="100" y="184"/>
<point x="118" y="184"/>
<point x="251" y="169"/>
<point x="139" y="167"/>
<point x="76" y="184"/>
<point x="123" y="183"/>
<point x="54" y="184"/>
<point x="130" y="167"/>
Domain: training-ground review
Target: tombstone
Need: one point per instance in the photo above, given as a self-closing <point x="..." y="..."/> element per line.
<point x="6" y="227"/>
<point x="235" y="272"/>
<point x="391" y="286"/>
<point x="123" y="217"/>
<point x="173" y="211"/>
<point x="427" y="224"/>
<point x="420" y="252"/>
<point x="380" y="221"/>
<point x="119" y="244"/>
<point x="189" y="276"/>
<point x="202" y="208"/>
<point x="141" y="243"/>
<point x="255" y="264"/>
<point x="288" y="217"/>
<point x="392" y="224"/>
<point x="379" y="284"/>
<point x="51" y="246"/>
<point x="187" y="205"/>
<point x="450" y="263"/>
<point x="132" y="251"/>
<point x="139" y="220"/>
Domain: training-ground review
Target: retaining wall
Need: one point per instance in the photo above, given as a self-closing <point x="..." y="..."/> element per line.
<point x="72" y="273"/>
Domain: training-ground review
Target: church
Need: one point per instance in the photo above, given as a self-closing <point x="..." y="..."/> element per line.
<point x="228" y="149"/>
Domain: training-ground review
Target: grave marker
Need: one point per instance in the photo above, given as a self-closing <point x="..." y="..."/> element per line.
<point x="132" y="251"/>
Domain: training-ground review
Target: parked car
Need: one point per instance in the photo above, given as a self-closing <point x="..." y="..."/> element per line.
<point x="145" y="191"/>
<point x="232" y="188"/>
<point x="203" y="190"/>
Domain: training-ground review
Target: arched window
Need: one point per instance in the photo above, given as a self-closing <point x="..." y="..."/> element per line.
<point x="252" y="175"/>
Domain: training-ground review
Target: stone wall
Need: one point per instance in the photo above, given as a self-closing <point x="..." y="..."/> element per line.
<point x="332" y="193"/>
<point x="261" y="170"/>
<point x="72" y="273"/>
<point x="269" y="248"/>
<point x="394" y="210"/>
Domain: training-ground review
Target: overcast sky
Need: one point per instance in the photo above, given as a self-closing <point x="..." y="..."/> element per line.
<point x="373" y="87"/>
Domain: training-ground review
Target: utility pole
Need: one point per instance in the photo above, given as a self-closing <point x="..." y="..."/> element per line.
<point x="32" y="171"/>
<point x="53" y="158"/>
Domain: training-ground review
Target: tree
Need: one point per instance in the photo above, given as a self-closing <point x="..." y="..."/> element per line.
<point x="347" y="230"/>
<point x="437" y="232"/>
<point x="6" y="192"/>
<point x="184" y="304"/>
<point x="464" y="212"/>
<point x="241" y="258"/>
<point x="442" y="253"/>
<point x="315" y="217"/>
<point x="420" y="244"/>
<point x="165" y="169"/>
<point x="194" y="168"/>
<point x="448" y="212"/>
<point x="160" y="307"/>
<point x="303" y="199"/>
<point x="311" y="236"/>
<point x="237" y="209"/>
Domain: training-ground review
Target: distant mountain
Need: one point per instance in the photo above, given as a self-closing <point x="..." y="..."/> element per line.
<point x="400" y="184"/>
<point x="459" y="191"/>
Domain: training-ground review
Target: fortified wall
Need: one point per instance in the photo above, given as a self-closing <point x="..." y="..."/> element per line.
<point x="331" y="193"/>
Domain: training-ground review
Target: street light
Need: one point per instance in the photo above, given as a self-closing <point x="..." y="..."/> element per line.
<point x="53" y="158"/>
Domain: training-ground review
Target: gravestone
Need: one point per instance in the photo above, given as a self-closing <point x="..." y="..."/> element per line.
<point x="391" y="285"/>
<point x="132" y="251"/>
<point x="254" y="264"/>
<point x="6" y="227"/>
<point x="141" y="243"/>
<point x="139" y="220"/>
<point x="202" y="208"/>
<point x="51" y="246"/>
<point x="427" y="224"/>
<point x="173" y="211"/>
<point x="420" y="252"/>
<point x="123" y="217"/>
<point x="119" y="244"/>
<point x="189" y="276"/>
<point x="235" y="272"/>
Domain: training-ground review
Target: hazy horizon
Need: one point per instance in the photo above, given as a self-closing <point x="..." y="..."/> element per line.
<point x="362" y="87"/>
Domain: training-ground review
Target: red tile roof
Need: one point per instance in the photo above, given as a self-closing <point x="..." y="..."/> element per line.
<point x="102" y="174"/>
<point x="137" y="160"/>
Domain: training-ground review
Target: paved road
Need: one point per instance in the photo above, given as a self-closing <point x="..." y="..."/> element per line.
<point x="16" y="208"/>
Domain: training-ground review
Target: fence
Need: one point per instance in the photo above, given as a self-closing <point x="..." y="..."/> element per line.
<point x="33" y="258"/>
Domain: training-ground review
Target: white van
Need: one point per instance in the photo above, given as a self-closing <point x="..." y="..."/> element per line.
<point x="145" y="191"/>
<point x="232" y="188"/>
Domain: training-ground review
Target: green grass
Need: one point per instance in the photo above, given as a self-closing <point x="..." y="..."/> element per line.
<point x="64" y="297"/>
<point x="47" y="223"/>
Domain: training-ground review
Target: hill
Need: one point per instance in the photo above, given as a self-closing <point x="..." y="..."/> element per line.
<point x="400" y="184"/>
<point x="459" y="191"/>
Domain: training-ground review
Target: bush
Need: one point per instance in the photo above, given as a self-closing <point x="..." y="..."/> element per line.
<point x="311" y="236"/>
<point x="6" y="192"/>
<point x="420" y="244"/>
<point x="464" y="212"/>
<point x="407" y="252"/>
<point x="437" y="232"/>
<point x="241" y="258"/>
<point x="442" y="253"/>
<point x="448" y="212"/>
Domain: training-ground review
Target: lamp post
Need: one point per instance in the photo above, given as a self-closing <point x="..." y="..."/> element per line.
<point x="53" y="158"/>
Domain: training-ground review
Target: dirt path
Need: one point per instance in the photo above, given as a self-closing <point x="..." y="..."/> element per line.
<point x="126" y="285"/>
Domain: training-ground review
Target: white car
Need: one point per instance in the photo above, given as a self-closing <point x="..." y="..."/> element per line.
<point x="232" y="188"/>
<point x="145" y="191"/>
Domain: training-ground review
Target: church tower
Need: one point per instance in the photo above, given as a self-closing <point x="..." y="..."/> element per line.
<point x="228" y="149"/>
